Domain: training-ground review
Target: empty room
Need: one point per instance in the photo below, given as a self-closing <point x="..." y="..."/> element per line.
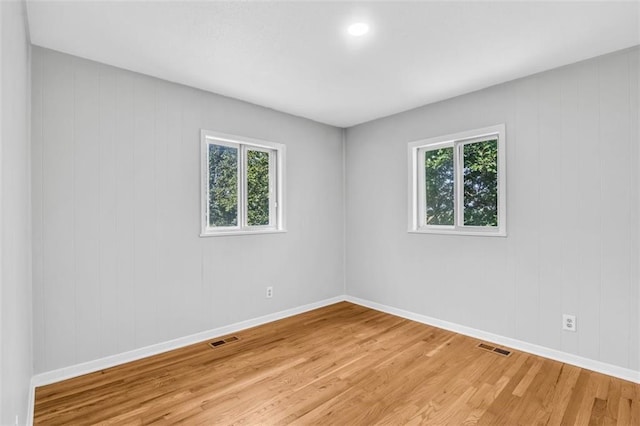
<point x="319" y="212"/>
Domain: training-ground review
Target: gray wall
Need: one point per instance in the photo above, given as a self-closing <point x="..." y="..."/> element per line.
<point x="15" y="247"/>
<point x="118" y="261"/>
<point x="572" y="208"/>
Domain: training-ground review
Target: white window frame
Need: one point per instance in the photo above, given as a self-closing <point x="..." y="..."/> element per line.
<point x="243" y="144"/>
<point x="416" y="205"/>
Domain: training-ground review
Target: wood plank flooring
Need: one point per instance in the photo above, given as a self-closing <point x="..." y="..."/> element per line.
<point x="341" y="365"/>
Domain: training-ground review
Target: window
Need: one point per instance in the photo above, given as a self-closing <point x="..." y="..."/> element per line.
<point x="457" y="183"/>
<point x="242" y="185"/>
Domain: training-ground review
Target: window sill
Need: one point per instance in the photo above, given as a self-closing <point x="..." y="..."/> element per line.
<point x="238" y="233"/>
<point x="459" y="232"/>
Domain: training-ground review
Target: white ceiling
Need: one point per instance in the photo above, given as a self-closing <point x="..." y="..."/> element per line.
<point x="296" y="57"/>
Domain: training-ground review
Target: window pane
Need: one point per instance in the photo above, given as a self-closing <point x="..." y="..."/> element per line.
<point x="480" y="175"/>
<point x="223" y="186"/>
<point x="257" y="188"/>
<point x="439" y="187"/>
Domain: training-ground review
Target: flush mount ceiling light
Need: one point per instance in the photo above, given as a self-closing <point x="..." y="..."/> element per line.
<point x="358" y="29"/>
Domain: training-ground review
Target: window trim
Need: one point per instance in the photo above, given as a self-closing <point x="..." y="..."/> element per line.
<point x="416" y="208"/>
<point x="277" y="154"/>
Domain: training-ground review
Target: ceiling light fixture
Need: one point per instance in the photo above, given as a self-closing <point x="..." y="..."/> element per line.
<point x="358" y="29"/>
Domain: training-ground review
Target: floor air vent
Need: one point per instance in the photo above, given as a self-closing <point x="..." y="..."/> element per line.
<point x="221" y="342"/>
<point x="490" y="348"/>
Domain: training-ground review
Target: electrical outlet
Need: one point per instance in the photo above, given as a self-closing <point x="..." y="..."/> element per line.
<point x="269" y="292"/>
<point x="569" y="322"/>
<point x="17" y="420"/>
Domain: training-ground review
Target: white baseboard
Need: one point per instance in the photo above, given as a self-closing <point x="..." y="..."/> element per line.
<point x="578" y="361"/>
<point x="31" y="405"/>
<point x="136" y="354"/>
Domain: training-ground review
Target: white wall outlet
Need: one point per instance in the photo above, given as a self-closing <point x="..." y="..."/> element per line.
<point x="569" y="322"/>
<point x="269" y="292"/>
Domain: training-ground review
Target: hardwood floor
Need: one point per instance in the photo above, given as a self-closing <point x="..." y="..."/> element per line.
<point x="341" y="365"/>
